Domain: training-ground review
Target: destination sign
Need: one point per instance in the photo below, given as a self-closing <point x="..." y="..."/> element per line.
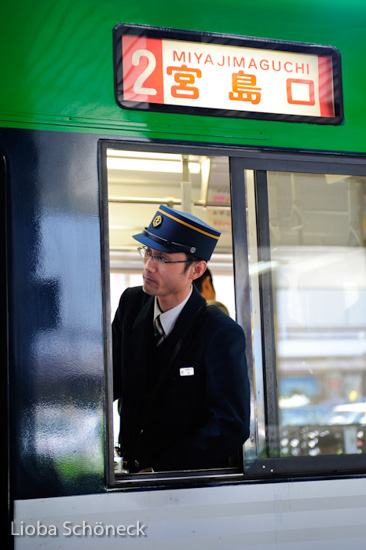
<point x="217" y="75"/>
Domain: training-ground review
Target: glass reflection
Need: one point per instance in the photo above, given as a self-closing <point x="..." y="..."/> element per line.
<point x="317" y="235"/>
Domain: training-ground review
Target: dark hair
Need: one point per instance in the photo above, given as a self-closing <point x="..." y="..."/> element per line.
<point x="199" y="281"/>
<point x="190" y="260"/>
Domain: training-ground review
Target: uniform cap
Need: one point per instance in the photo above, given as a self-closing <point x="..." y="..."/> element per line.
<point x="174" y="231"/>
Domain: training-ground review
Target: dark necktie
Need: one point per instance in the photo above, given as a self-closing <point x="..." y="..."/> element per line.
<point x="158" y="331"/>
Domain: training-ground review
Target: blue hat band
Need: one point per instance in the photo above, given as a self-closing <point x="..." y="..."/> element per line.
<point x="165" y="242"/>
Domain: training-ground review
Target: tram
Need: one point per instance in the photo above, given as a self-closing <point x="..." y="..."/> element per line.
<point x="252" y="117"/>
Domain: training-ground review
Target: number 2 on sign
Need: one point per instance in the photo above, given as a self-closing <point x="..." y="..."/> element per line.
<point x="138" y="86"/>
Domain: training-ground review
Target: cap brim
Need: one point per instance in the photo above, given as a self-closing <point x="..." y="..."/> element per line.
<point x="144" y="239"/>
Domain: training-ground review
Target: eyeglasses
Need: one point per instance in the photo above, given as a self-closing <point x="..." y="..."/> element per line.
<point x="146" y="253"/>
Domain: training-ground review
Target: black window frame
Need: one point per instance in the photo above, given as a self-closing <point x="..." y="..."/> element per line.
<point x="260" y="161"/>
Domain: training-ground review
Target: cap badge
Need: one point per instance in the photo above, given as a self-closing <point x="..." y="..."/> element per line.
<point x="158" y="220"/>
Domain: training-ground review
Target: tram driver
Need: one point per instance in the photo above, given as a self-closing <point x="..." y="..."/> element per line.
<point x="179" y="365"/>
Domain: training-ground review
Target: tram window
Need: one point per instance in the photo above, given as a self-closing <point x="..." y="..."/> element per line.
<point x="138" y="182"/>
<point x="304" y="309"/>
<point x="309" y="277"/>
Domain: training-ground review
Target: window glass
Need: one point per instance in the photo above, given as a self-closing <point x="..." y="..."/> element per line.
<point x="317" y="231"/>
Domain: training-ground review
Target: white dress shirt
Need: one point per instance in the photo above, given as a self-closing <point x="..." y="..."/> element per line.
<point x="169" y="318"/>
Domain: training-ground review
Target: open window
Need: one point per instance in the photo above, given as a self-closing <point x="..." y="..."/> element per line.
<point x="136" y="182"/>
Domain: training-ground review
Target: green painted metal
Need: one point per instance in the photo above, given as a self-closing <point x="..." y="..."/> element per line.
<point x="57" y="67"/>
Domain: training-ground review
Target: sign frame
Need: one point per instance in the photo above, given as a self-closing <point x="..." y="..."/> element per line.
<point x="143" y="31"/>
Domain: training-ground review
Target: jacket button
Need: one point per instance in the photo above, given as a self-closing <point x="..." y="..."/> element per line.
<point x="136" y="464"/>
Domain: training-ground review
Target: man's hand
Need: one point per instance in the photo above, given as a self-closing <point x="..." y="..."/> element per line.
<point x="149" y="469"/>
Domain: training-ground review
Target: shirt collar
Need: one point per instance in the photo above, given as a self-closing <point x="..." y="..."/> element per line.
<point x="169" y="318"/>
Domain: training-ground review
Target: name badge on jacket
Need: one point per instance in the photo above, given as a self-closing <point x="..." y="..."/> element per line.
<point x="186" y="371"/>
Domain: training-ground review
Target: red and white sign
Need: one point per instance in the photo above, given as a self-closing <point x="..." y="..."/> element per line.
<point x="225" y="78"/>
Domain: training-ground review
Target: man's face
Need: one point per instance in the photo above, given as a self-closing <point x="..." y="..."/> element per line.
<point x="170" y="281"/>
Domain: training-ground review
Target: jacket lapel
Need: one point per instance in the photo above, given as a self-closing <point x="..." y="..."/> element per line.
<point x="176" y="337"/>
<point x="195" y="302"/>
<point x="137" y="346"/>
<point x="138" y="349"/>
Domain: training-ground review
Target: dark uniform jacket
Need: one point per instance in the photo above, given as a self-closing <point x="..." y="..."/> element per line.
<point x="183" y="404"/>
